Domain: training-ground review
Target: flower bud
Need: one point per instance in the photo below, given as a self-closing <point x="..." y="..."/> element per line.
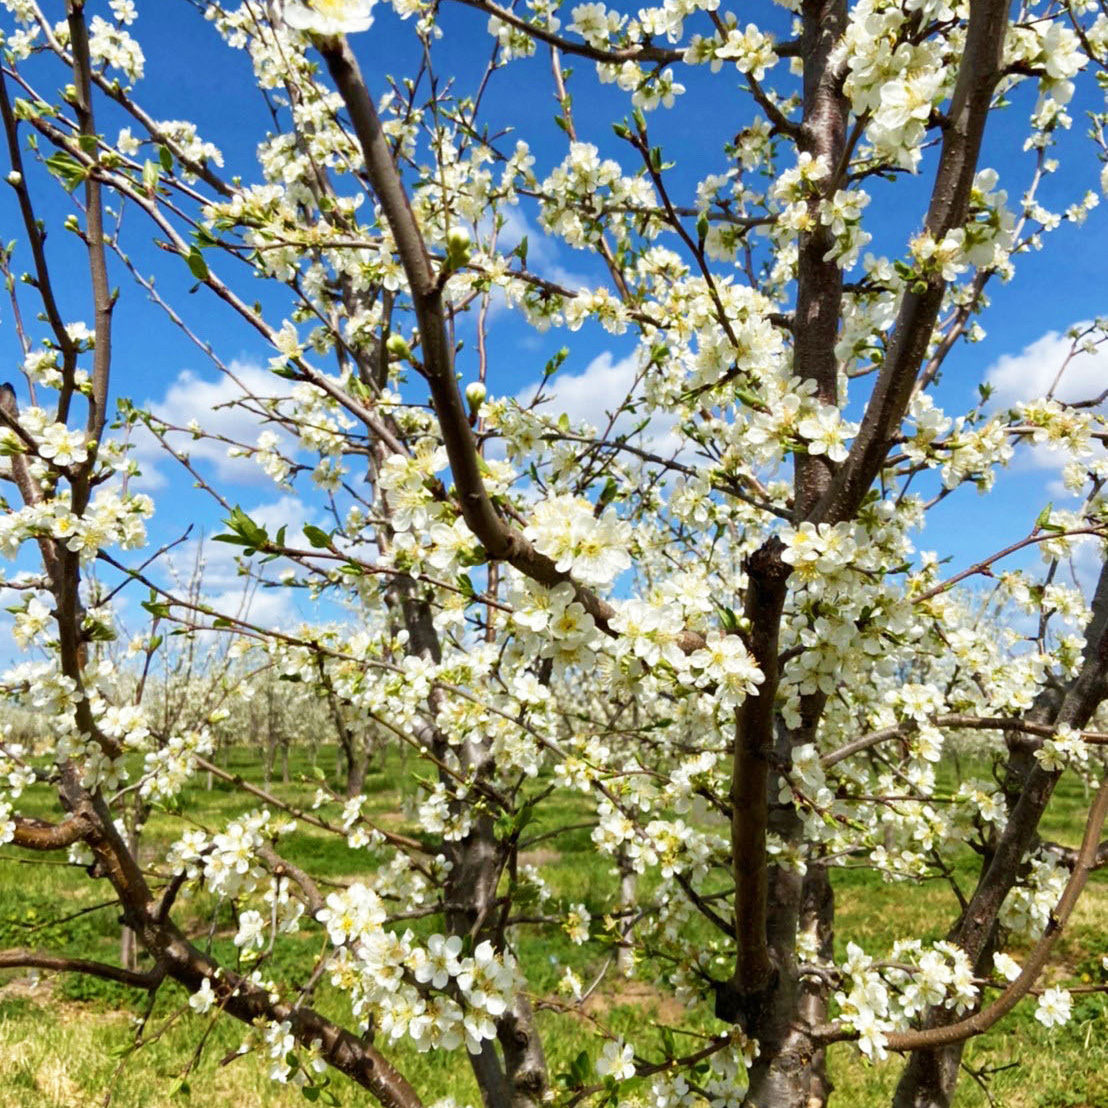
<point x="457" y="240"/>
<point x="475" y="394"/>
<point x="457" y="247"/>
<point x="398" y="347"/>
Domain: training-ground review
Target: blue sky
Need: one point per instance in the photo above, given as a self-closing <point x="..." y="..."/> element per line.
<point x="191" y="74"/>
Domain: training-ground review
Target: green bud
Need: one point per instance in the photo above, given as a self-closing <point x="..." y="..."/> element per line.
<point x="458" y="245"/>
<point x="398" y="347"/>
<point x="475" y="394"/>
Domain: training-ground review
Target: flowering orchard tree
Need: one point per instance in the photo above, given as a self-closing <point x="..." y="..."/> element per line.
<point x="703" y="622"/>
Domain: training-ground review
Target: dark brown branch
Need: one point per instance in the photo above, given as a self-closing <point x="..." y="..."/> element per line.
<point x="37" y="834"/>
<point x="981" y="1021"/>
<point x="36" y="239"/>
<point x="961" y="144"/>
<point x="30" y="959"/>
<point x="500" y="540"/>
<point x="753" y="749"/>
<point x="102" y="297"/>
<point x="819" y="289"/>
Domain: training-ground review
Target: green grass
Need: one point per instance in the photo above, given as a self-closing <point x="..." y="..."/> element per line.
<point x="60" y="1040"/>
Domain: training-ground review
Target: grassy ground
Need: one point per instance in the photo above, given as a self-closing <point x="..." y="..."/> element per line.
<point x="60" y="1040"/>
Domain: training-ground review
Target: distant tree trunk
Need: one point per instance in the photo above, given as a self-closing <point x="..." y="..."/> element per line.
<point x="628" y="882"/>
<point x="354" y="754"/>
<point x="357" y="760"/>
<point x="270" y="738"/>
<point x="128" y="950"/>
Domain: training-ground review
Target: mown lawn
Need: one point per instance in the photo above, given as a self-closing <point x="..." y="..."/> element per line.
<point x="61" y="1040"/>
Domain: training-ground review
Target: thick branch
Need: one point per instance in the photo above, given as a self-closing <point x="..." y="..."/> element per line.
<point x="37" y="834"/>
<point x="30" y="959"/>
<point x="103" y="300"/>
<point x="977" y="77"/>
<point x="819" y="286"/>
<point x="981" y="1021"/>
<point x="754" y="739"/>
<point x="500" y="540"/>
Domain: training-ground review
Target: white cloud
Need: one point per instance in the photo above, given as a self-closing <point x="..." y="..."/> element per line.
<point x="543" y="250"/>
<point x="1031" y="373"/>
<point x="600" y="389"/>
<point x="223" y="588"/>
<point x="191" y="397"/>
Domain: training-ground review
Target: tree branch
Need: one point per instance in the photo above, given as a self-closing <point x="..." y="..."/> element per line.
<point x="500" y="540"/>
<point x="29" y="959"/>
<point x="977" y="77"/>
<point x="981" y="1021"/>
<point x="37" y="834"/>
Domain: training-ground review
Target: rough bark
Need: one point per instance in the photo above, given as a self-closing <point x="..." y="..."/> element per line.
<point x="930" y="1077"/>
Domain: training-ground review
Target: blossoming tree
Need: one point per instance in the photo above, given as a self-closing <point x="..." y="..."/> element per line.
<point x="705" y="618"/>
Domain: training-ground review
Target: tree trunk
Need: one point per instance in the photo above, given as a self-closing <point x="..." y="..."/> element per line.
<point x="628" y="881"/>
<point x="817" y="919"/>
<point x="355" y="772"/>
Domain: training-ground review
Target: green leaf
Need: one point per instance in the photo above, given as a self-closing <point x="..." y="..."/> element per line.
<point x="166" y="158"/>
<point x="99" y="632"/>
<point x="242" y="524"/>
<point x="581" y="1068"/>
<point x="180" y="1087"/>
<point x="668" y="1042"/>
<point x="67" y="169"/>
<point x="157" y="608"/>
<point x="196" y="264"/>
<point x="316" y="536"/>
<point x="607" y="494"/>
